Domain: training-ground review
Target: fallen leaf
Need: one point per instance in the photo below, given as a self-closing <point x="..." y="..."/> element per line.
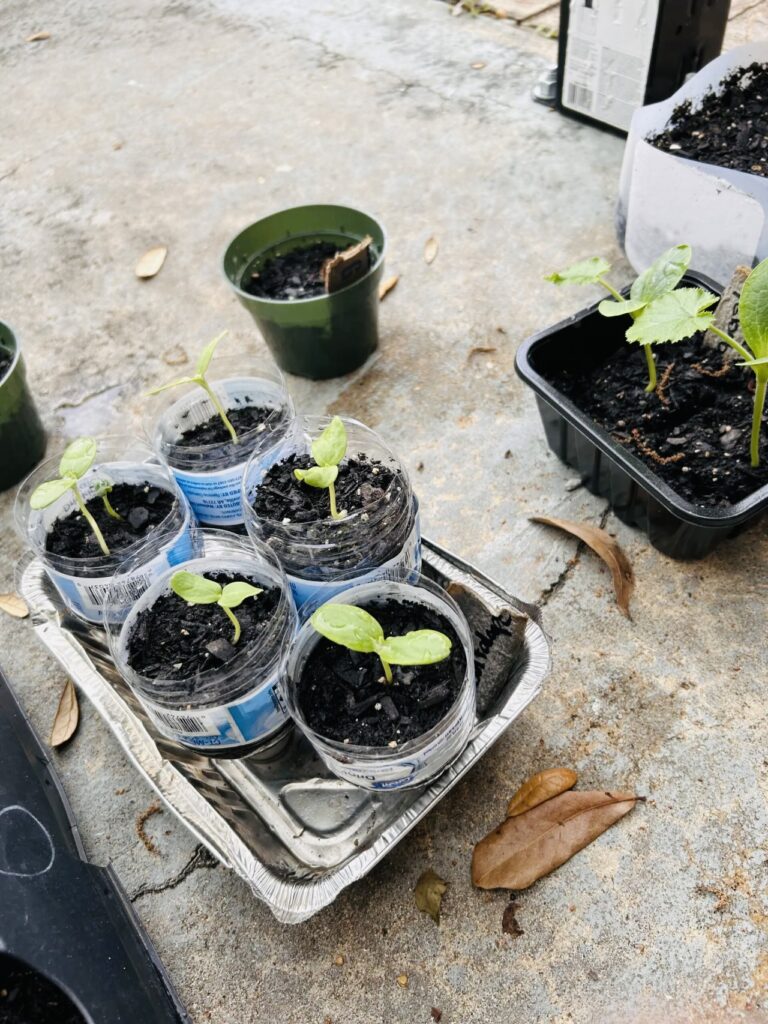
<point x="339" y="960"/>
<point x="430" y="249"/>
<point x="606" y="548"/>
<point x="387" y="285"/>
<point x="479" y="350"/>
<point x="402" y="980"/>
<point x="38" y="37"/>
<point x="67" y="716"/>
<point x="429" y="894"/>
<point x="509" y="923"/>
<point x="527" y="847"/>
<point x="540" y="787"/>
<point x="151" y="262"/>
<point x="436" y="1015"/>
<point x="478" y="65"/>
<point x="14" y="605"/>
<point x="175" y="356"/>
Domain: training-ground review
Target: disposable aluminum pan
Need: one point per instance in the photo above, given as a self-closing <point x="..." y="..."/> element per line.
<point x="279" y="819"/>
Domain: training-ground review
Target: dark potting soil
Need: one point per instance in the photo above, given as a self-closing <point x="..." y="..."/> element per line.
<point x="729" y="128"/>
<point x="695" y="434"/>
<point x="27" y="997"/>
<point x="173" y="640"/>
<point x="5" y="364"/>
<point x="342" y="694"/>
<point x="142" y="506"/>
<point x="259" y="421"/>
<point x="293" y="275"/>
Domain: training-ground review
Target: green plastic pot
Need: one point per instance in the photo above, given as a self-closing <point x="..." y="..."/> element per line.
<point x="325" y="336"/>
<point x="22" y="438"/>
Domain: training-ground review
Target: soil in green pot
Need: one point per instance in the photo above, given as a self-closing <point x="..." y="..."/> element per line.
<point x="292" y="275"/>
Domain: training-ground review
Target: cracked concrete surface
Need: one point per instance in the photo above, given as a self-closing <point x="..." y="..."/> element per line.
<point x="177" y="123"/>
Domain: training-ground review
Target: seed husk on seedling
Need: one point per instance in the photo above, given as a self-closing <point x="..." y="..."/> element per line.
<point x="357" y="630"/>
<point x="75" y="462"/>
<point x="203" y="362"/>
<point x="657" y="282"/>
<point x="195" y="589"/>
<point x="327" y="450"/>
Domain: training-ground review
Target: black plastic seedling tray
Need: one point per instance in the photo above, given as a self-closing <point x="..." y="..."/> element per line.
<point x="639" y="497"/>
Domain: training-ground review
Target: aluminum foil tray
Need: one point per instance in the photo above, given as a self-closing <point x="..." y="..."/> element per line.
<point x="295" y="833"/>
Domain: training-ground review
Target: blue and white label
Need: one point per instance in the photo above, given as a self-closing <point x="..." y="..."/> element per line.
<point x="214" y="496"/>
<point x="254" y="717"/>
<point x="406" y="564"/>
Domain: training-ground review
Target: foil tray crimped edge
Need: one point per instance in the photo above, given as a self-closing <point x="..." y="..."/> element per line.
<point x="290" y="901"/>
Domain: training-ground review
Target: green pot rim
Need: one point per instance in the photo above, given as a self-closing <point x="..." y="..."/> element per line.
<point x="16" y="352"/>
<point x="314" y="298"/>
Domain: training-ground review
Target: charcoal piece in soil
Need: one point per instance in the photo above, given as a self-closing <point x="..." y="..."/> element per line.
<point x="5" y="364"/>
<point x="142" y="507"/>
<point x="361" y="483"/>
<point x="728" y="128"/>
<point x="292" y="275"/>
<point x="343" y="696"/>
<point x="253" y="423"/>
<point x="174" y="640"/>
<point x="27" y="997"/>
<point x="697" y="440"/>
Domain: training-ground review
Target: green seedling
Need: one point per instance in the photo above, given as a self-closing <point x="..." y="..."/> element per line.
<point x="327" y="450"/>
<point x="196" y="589"/>
<point x="77" y="459"/>
<point x="356" y="629"/>
<point x="658" y="281"/>
<point x="104" y="488"/>
<point x="203" y="362"/>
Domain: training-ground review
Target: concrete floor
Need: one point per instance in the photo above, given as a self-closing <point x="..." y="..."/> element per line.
<point x="177" y="123"/>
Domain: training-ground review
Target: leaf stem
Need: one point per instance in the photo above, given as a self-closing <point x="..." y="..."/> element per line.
<point x="732" y="342"/>
<point x="651" y="368"/>
<point x="609" y="287"/>
<point x="234" y="620"/>
<point x="387" y="669"/>
<point x="89" y="519"/>
<point x="335" y="514"/>
<point x="757" y="416"/>
<point x="218" y="407"/>
<point x="108" y="506"/>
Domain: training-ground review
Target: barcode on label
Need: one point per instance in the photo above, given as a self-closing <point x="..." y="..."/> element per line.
<point x="579" y="96"/>
<point x="182" y="723"/>
<point x="121" y="593"/>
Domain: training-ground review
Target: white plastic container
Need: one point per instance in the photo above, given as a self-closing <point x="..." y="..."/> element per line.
<point x="319" y="568"/>
<point x="211" y="475"/>
<point x="666" y="199"/>
<point x="415" y="762"/>
<point x="236" y="708"/>
<point x="85" y="583"/>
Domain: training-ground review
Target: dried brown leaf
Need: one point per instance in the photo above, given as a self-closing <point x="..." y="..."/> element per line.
<point x="604" y="545"/>
<point x="478" y="65"/>
<point x="151" y="262"/>
<point x="436" y="1014"/>
<point x="38" y="37"/>
<point x="481" y="350"/>
<point x="509" y="922"/>
<point x="540" y="787"/>
<point x="387" y="285"/>
<point x="527" y="847"/>
<point x="430" y="249"/>
<point x="402" y="980"/>
<point x="429" y="894"/>
<point x="14" y="605"/>
<point x="67" y="716"/>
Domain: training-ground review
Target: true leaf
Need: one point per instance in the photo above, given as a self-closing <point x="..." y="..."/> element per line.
<point x="195" y="589"/>
<point x="753" y="312"/>
<point x="235" y="593"/>
<point x="606" y="548"/>
<point x="663" y="275"/>
<point x="429" y="892"/>
<point x="14" y="605"/>
<point x="675" y="316"/>
<point x="78" y="457"/>
<point x="204" y="360"/>
<point x="421" y="647"/>
<point x="48" y="492"/>
<point x="540" y="787"/>
<point x="151" y="262"/>
<point x="587" y="271"/>
<point x="527" y="847"/>
<point x="331" y="446"/>
<point x="317" y="476"/>
<point x="348" y="625"/>
<point x="67" y="716"/>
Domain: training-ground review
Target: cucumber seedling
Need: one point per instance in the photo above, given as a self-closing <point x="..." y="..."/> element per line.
<point x="657" y="282"/>
<point x="196" y="589"/>
<point x="77" y="460"/>
<point x="327" y="450"/>
<point x="198" y="377"/>
<point x="356" y="629"/>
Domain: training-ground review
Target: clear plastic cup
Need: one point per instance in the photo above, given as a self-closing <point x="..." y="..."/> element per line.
<point x="381" y="537"/>
<point x="415" y="762"/>
<point x="237" y="708"/>
<point x="84" y="583"/>
<point x="211" y="475"/>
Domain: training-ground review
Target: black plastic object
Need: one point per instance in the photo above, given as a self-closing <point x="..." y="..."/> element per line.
<point x="638" y="496"/>
<point x="688" y="34"/>
<point x="73" y="949"/>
